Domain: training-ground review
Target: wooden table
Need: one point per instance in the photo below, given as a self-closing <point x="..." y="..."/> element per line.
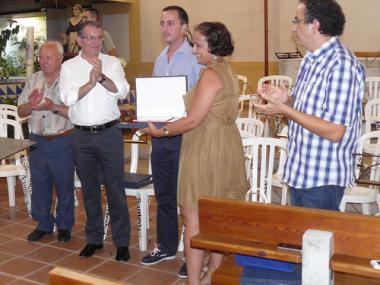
<point x="9" y="147"/>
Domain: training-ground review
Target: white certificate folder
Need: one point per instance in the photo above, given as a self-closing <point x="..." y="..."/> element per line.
<point x="160" y="98"/>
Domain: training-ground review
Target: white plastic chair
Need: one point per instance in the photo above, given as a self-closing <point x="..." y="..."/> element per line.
<point x="263" y="152"/>
<point x="250" y="126"/>
<point x="246" y="100"/>
<point x="143" y="195"/>
<point x="10" y="112"/>
<point x="277" y="177"/>
<point x="371" y="113"/>
<point x="276" y="80"/>
<point x="360" y="194"/>
<point x="373" y="86"/>
<point x="243" y="82"/>
<point x="18" y="166"/>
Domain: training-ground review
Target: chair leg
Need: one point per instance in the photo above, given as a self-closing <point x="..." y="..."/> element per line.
<point x="26" y="185"/>
<point x="181" y="246"/>
<point x="366" y="209"/>
<point x="342" y="206"/>
<point x="142" y="204"/>
<point x="106" y="221"/>
<point x="284" y="195"/>
<point x="11" y="183"/>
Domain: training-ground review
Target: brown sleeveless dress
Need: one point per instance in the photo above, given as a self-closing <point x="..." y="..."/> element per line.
<point x="212" y="159"/>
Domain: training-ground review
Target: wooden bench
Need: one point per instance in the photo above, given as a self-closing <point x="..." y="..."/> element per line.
<point x="256" y="229"/>
<point x="60" y="276"/>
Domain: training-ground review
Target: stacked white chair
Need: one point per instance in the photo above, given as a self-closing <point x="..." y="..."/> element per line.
<point x="18" y="166"/>
<point x="262" y="154"/>
<point x="10" y="112"/>
<point x="373" y="86"/>
<point x="277" y="177"/>
<point x="250" y="126"/>
<point x="276" y="80"/>
<point x="361" y="194"/>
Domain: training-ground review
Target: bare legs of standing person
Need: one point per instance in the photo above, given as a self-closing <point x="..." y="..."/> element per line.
<point x="194" y="257"/>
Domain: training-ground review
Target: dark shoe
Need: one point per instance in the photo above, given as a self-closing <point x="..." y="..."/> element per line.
<point x="182" y="272"/>
<point x="157" y="255"/>
<point x="64" y="235"/>
<point x="122" y="253"/>
<point x="37" y="235"/>
<point x="90" y="249"/>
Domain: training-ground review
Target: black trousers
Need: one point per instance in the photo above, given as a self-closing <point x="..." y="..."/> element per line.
<point x="165" y="163"/>
<point x="104" y="150"/>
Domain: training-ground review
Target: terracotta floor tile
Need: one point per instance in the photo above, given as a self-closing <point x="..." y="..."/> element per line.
<point x="5" y="257"/>
<point x="149" y="276"/>
<point x="75" y="243"/>
<point x="115" y="270"/>
<point x="23" y="282"/>
<point x="20" y="266"/>
<point x="4" y="279"/>
<point x="18" y="246"/>
<point x="15" y="215"/>
<point x="41" y="276"/>
<point x="4" y="239"/>
<point x="48" y="254"/>
<point x="82" y="264"/>
<point x="4" y="223"/>
<point x="16" y="230"/>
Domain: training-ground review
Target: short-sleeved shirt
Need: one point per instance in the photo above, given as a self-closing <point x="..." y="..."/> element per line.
<point x="44" y="123"/>
<point x="183" y="62"/>
<point x="330" y="86"/>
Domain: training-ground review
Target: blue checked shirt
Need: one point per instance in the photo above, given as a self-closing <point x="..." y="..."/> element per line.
<point x="330" y="85"/>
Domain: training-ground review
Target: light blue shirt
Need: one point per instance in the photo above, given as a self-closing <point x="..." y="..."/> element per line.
<point x="183" y="62"/>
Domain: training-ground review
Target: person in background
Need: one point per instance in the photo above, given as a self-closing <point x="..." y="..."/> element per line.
<point x="210" y="137"/>
<point x="69" y="38"/>
<point x="51" y="158"/>
<point x="92" y="14"/>
<point x="324" y="109"/>
<point x="175" y="59"/>
<point x="91" y="84"/>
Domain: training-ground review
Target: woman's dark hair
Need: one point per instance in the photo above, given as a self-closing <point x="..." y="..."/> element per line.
<point x="328" y="13"/>
<point x="218" y="38"/>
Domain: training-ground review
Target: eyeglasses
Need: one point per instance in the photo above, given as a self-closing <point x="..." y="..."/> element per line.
<point x="92" y="38"/>
<point x="296" y="21"/>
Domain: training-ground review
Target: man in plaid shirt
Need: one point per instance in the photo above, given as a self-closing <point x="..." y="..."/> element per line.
<point x="324" y="109"/>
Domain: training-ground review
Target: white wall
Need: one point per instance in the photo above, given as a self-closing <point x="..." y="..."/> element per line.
<point x="245" y="20"/>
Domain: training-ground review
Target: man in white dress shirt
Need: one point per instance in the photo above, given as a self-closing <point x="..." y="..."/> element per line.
<point x="91" y="84"/>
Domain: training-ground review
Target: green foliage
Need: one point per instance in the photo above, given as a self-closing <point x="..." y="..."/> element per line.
<point x="5" y="35"/>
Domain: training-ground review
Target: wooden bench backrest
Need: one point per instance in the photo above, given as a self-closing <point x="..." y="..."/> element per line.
<point x="60" y="276"/>
<point x="355" y="235"/>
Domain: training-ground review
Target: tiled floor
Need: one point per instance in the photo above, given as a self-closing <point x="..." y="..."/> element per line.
<point x="23" y="262"/>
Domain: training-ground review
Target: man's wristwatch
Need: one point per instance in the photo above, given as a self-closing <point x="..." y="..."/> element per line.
<point x="166" y="132"/>
<point x="102" y="79"/>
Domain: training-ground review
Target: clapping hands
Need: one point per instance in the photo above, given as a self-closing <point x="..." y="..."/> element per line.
<point x="38" y="102"/>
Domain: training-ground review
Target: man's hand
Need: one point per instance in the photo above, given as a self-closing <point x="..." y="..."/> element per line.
<point x="275" y="98"/>
<point x="35" y="98"/>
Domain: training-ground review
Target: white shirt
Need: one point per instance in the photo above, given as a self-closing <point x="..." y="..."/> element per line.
<point x="99" y="105"/>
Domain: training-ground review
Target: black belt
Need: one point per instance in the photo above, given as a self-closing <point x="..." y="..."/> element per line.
<point x="97" y="128"/>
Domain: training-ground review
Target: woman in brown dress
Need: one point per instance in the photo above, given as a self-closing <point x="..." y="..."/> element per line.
<point x="212" y="159"/>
